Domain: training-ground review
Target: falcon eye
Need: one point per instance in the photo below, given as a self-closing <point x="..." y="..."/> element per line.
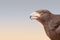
<point x="42" y="13"/>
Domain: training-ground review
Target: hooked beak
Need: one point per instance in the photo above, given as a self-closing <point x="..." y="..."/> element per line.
<point x="34" y="15"/>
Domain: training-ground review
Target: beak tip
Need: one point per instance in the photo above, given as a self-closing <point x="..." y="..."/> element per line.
<point x="30" y="17"/>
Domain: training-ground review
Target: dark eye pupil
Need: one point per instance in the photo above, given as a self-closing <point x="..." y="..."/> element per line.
<point x="45" y="12"/>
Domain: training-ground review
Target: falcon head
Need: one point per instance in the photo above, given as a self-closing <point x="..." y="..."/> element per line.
<point x="40" y="15"/>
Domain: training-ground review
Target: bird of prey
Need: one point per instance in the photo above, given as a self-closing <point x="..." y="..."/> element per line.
<point x="50" y="22"/>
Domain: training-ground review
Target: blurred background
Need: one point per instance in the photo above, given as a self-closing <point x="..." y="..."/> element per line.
<point x="15" y="23"/>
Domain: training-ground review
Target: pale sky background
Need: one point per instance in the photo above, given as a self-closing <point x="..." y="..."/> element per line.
<point x="14" y="19"/>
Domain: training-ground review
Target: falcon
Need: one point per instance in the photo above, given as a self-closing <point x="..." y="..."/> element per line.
<point x="50" y="22"/>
